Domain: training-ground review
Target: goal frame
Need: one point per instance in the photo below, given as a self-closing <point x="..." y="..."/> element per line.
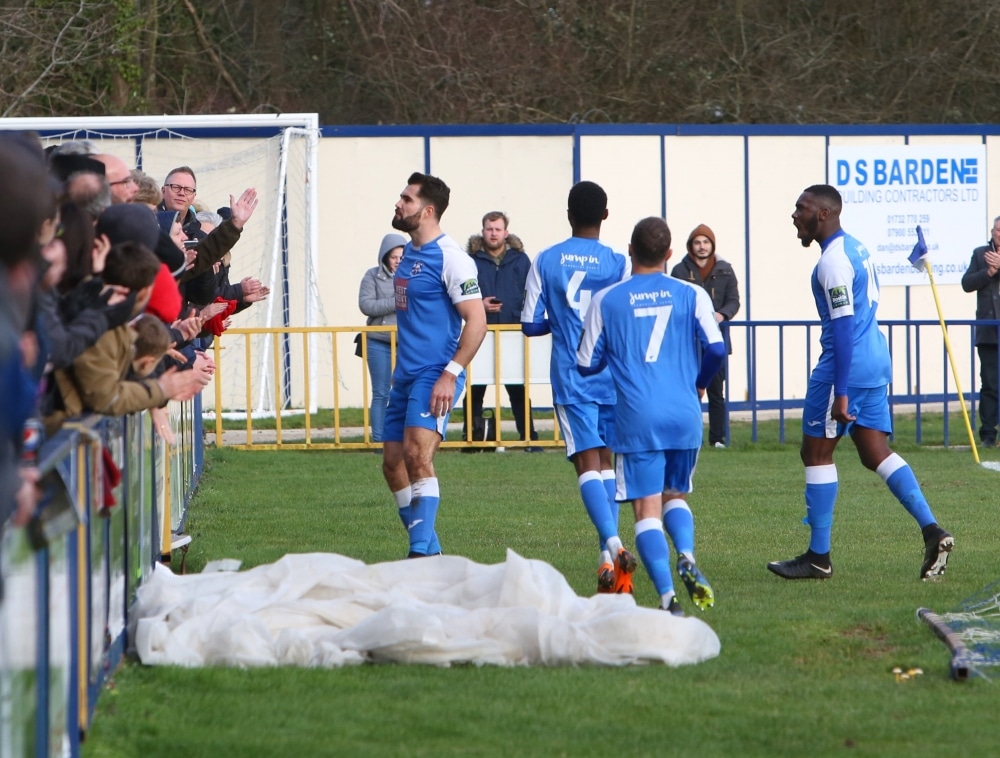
<point x="230" y="126"/>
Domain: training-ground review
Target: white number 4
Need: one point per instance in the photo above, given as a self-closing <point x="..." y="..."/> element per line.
<point x="577" y="298"/>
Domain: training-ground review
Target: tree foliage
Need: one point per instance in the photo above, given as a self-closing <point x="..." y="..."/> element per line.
<point x="506" y="61"/>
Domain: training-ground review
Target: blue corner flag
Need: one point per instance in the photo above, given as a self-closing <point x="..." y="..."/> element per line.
<point x="919" y="251"/>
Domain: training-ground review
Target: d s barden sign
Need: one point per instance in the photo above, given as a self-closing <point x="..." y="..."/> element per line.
<point x="889" y="190"/>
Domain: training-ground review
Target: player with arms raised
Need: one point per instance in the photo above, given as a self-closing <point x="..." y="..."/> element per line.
<point x="558" y="291"/>
<point x="660" y="340"/>
<point x="848" y="391"/>
<point x="436" y="290"/>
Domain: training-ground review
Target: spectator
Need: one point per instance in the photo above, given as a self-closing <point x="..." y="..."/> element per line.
<point x="441" y="324"/>
<point x="152" y="341"/>
<point x="179" y="190"/>
<point x="652" y="332"/>
<point x="75" y="164"/>
<point x="170" y="225"/>
<point x="27" y="200"/>
<point x="982" y="278"/>
<point x="377" y="300"/>
<point x="96" y="380"/>
<point x="716" y="276"/>
<point x="66" y="329"/>
<point x="120" y="180"/>
<point x="147" y="192"/>
<point x="503" y="270"/>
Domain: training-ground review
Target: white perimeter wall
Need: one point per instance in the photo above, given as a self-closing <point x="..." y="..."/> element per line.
<point x="743" y="187"/>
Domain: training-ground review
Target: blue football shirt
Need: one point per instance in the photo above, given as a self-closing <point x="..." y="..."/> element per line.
<point x="844" y="283"/>
<point x="428" y="283"/>
<point x="650" y="330"/>
<point x="562" y="281"/>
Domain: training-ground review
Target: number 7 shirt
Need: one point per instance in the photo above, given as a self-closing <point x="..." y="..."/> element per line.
<point x="654" y="333"/>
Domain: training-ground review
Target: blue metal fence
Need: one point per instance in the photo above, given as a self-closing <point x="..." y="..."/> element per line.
<point x="70" y="578"/>
<point x="912" y="343"/>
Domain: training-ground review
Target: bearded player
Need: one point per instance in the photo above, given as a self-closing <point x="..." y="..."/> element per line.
<point x="436" y="290"/>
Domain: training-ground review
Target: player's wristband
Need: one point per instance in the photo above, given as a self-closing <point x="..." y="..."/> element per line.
<point x="454" y="368"/>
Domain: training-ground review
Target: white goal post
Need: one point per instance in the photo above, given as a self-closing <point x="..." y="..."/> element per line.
<point x="279" y="155"/>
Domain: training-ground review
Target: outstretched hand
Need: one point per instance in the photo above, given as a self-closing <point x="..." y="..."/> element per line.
<point x="253" y="290"/>
<point x="243" y="208"/>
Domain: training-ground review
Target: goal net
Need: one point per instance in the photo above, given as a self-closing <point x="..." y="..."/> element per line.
<point x="267" y="372"/>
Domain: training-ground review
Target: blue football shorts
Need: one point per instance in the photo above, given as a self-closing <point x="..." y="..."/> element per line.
<point x="869" y="406"/>
<point x="585" y="426"/>
<point x="654" y="472"/>
<point x="410" y="403"/>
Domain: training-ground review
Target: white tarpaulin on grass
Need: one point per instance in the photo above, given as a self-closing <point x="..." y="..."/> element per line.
<point x="329" y="610"/>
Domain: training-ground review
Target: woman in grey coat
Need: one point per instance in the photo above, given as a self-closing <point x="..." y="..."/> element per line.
<point x="377" y="300"/>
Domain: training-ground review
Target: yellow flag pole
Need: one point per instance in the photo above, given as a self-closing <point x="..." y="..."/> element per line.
<point x="954" y="370"/>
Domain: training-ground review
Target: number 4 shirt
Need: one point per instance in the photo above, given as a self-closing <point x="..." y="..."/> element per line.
<point x="562" y="281"/>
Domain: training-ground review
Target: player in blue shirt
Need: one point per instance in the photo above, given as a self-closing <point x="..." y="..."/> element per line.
<point x="848" y="391"/>
<point x="558" y="291"/>
<point x="647" y="330"/>
<point x="436" y="290"/>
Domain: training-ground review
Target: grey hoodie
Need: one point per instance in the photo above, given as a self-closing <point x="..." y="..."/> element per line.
<point x="376" y="297"/>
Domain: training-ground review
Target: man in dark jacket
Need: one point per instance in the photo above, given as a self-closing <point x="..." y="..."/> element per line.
<point x="503" y="270"/>
<point x="981" y="278"/>
<point x="701" y="266"/>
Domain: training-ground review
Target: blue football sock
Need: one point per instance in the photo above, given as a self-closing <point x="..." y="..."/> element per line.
<point x="821" y="496"/>
<point x="608" y="476"/>
<point x="679" y="523"/>
<point x="403" y="498"/>
<point x="654" y="553"/>
<point x="433" y="544"/>
<point x="423" y="512"/>
<point x="595" y="500"/>
<point x="896" y="473"/>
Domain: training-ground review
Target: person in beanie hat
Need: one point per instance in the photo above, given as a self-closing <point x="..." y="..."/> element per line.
<point x="702" y="267"/>
<point x="377" y="300"/>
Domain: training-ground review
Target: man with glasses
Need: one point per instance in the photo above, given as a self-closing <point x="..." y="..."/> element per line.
<point x="178" y="191"/>
<point x="119" y="178"/>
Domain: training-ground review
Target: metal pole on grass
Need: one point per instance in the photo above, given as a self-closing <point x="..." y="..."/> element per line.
<point x="918" y="258"/>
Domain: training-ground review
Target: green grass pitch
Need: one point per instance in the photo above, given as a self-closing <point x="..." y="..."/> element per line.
<point x="805" y="668"/>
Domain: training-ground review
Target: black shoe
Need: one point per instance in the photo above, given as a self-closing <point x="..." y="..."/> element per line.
<point x="674" y="609"/>
<point x="809" y="565"/>
<point x="937" y="547"/>
<point x="534" y="449"/>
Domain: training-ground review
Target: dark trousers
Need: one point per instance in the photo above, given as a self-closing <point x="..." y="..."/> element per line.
<point x="988" y="393"/>
<point x="717" y="420"/>
<point x="516" y="394"/>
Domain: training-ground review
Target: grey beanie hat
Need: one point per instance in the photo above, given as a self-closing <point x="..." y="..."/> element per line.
<point x="390" y="242"/>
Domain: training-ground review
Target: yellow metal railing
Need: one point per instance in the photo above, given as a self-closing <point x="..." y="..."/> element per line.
<point x="337" y="435"/>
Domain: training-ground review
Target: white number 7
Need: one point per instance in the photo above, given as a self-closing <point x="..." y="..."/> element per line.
<point x="662" y="315"/>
